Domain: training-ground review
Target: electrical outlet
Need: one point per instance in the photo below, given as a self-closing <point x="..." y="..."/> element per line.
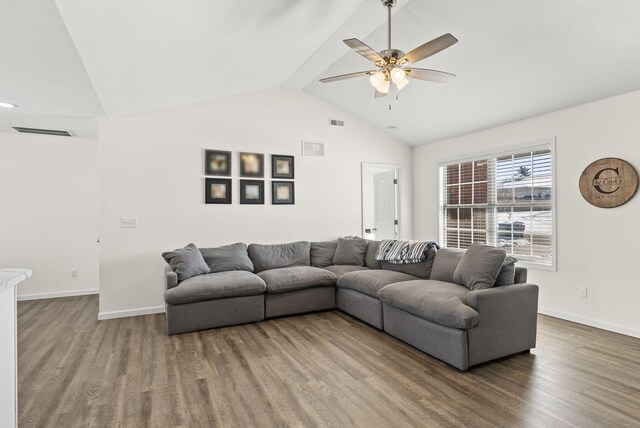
<point x="582" y="292"/>
<point x="74" y="273"/>
<point x="129" y="222"/>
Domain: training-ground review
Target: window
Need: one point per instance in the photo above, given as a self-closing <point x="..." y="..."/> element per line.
<point x="504" y="200"/>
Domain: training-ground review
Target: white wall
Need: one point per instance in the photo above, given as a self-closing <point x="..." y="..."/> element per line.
<point x="49" y="215"/>
<point x="597" y="248"/>
<point x="152" y="168"/>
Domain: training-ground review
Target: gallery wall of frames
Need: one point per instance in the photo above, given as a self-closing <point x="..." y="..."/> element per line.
<point x="218" y="171"/>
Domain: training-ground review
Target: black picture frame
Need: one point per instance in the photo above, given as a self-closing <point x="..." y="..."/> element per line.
<point x="251" y="165"/>
<point x="217" y="162"/>
<point x="283" y="197"/>
<point x="247" y="192"/>
<point x="217" y="191"/>
<point x="282" y="166"/>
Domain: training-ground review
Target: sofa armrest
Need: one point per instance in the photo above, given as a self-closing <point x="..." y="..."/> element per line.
<point x="508" y="321"/>
<point x="171" y="278"/>
<point x="498" y="298"/>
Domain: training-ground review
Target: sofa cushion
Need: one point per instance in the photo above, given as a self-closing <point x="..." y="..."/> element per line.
<point x="438" y="301"/>
<point x="227" y="258"/>
<point x="371" y="281"/>
<point x="340" y="270"/>
<point x="215" y="286"/>
<point x="296" y="278"/>
<point x="507" y="273"/>
<point x="350" y="251"/>
<point x="445" y="263"/>
<point x="421" y="269"/>
<point x="277" y="256"/>
<point x="370" y="260"/>
<point x="480" y="266"/>
<point x="322" y="253"/>
<point x="186" y="262"/>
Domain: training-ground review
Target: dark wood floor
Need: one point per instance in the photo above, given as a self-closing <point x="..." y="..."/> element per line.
<point x="323" y="369"/>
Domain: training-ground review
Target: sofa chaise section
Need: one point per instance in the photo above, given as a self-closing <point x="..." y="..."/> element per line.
<point x="462" y="326"/>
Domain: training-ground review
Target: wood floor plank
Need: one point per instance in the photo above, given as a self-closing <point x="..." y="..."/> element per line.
<point x="324" y="369"/>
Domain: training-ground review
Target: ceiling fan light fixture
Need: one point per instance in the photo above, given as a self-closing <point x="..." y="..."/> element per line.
<point x="377" y="80"/>
<point x="398" y="75"/>
<point x="402" y="83"/>
<point x="384" y="87"/>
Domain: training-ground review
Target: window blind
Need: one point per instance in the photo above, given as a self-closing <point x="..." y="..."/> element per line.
<point x="504" y="200"/>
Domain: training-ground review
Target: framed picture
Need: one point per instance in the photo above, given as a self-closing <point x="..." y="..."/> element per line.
<point x="217" y="162"/>
<point x="282" y="166"/>
<point x="217" y="191"/>
<point x="282" y="193"/>
<point x="251" y="191"/>
<point x="251" y="165"/>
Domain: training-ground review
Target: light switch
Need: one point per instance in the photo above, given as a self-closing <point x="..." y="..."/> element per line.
<point x="128" y="222"/>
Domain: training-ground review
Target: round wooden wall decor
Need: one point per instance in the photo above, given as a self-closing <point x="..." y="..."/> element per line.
<point x="608" y="182"/>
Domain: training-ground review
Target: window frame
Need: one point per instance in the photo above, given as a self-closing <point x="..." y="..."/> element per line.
<point x="546" y="144"/>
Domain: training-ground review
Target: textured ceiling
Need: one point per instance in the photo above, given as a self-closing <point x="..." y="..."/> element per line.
<point x="146" y="54"/>
<point x="66" y="62"/>
<point x="514" y="60"/>
<point x="40" y="70"/>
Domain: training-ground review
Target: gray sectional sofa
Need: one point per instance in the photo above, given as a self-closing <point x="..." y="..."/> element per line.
<point x="463" y="308"/>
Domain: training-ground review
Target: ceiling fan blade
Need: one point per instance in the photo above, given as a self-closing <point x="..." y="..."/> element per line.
<point x="364" y="50"/>
<point x="429" y="48"/>
<point x="379" y="94"/>
<point x="347" y="76"/>
<point x="430" y="75"/>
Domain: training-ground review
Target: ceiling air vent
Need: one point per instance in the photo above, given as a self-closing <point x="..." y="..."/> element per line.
<point x="312" y="149"/>
<point x="42" y="131"/>
<point x="336" y="122"/>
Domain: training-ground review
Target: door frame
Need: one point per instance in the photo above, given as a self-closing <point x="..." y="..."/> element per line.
<point x="373" y="166"/>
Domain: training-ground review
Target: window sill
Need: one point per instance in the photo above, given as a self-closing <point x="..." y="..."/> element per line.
<point x="537" y="266"/>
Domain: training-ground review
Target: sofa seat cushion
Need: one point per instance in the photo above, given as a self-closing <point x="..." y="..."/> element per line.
<point x="296" y="278"/>
<point x="340" y="270"/>
<point x="371" y="281"/>
<point x="217" y="285"/>
<point x="441" y="302"/>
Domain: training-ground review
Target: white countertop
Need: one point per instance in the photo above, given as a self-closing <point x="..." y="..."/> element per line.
<point x="11" y="277"/>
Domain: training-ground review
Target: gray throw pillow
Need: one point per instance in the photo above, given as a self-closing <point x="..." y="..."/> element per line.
<point x="479" y="266"/>
<point x="227" y="258"/>
<point x="322" y="253"/>
<point x="186" y="262"/>
<point x="507" y="273"/>
<point x="265" y="257"/>
<point x="370" y="260"/>
<point x="421" y="270"/>
<point x="445" y="264"/>
<point x="350" y="251"/>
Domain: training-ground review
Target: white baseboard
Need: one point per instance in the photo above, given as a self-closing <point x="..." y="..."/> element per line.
<point x="56" y="294"/>
<point x="107" y="315"/>
<point x="590" y="322"/>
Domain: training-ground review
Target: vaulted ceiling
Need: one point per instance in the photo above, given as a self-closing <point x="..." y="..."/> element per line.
<point x="67" y="62"/>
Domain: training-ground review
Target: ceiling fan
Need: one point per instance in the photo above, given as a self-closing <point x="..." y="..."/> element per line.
<point x="391" y="63"/>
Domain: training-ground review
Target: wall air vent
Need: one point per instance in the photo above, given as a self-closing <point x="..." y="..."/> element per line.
<point x="310" y="148"/>
<point x="42" y="131"/>
<point x="336" y="122"/>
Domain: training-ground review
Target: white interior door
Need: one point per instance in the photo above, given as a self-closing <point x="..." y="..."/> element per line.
<point x="384" y="205"/>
